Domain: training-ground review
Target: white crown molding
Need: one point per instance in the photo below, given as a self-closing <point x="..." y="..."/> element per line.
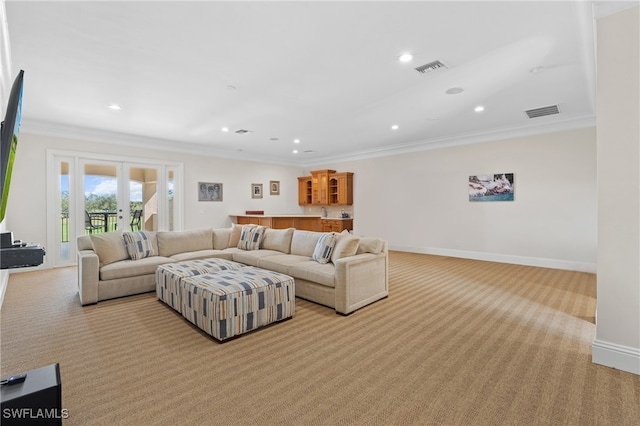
<point x="464" y="139"/>
<point x="605" y="8"/>
<point x="80" y="133"/>
<point x="113" y="138"/>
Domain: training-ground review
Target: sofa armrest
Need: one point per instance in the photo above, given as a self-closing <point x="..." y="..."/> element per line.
<point x="88" y="276"/>
<point x="360" y="280"/>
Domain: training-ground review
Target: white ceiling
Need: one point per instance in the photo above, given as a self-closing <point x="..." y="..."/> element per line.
<point x="326" y="73"/>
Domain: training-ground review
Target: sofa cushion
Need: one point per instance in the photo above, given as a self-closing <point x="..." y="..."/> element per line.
<point x="324" y="248"/>
<point x="132" y="268"/>
<point x="138" y="244"/>
<point x="370" y="245"/>
<point x="250" y="257"/>
<point x="173" y="242"/>
<point x="251" y="237"/>
<point x="202" y="254"/>
<point x="278" y="239"/>
<point x="303" y="243"/>
<point x="109" y="247"/>
<point x="321" y="273"/>
<point x="280" y="262"/>
<point x="221" y="238"/>
<point x="347" y="245"/>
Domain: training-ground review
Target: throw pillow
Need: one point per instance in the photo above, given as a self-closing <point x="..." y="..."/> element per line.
<point x="347" y="245"/>
<point x="139" y="244"/>
<point x="324" y="248"/>
<point x="109" y="247"/>
<point x="251" y="237"/>
<point x="236" y="230"/>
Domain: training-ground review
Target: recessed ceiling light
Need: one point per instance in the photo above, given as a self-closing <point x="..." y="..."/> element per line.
<point x="479" y="108"/>
<point x="394" y="127"/>
<point x="296" y="141"/>
<point x="225" y="129"/>
<point x="454" y="90"/>
<point x="114" y="107"/>
<point x="405" y="57"/>
<point x="295" y="151"/>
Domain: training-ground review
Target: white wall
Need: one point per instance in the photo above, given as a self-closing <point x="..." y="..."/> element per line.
<point x="419" y="201"/>
<point x="617" y="342"/>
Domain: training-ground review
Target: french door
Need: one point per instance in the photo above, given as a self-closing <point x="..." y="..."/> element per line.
<point x="91" y="194"/>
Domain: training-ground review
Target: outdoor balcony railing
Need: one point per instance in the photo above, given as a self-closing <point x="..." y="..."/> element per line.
<point x="101" y="221"/>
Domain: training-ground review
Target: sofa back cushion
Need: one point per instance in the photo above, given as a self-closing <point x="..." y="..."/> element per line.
<point x="174" y="242"/>
<point x="278" y="239"/>
<point x="347" y="245"/>
<point x="370" y="245"/>
<point x="221" y="238"/>
<point x="84" y="242"/>
<point x="109" y="247"/>
<point x="303" y="243"/>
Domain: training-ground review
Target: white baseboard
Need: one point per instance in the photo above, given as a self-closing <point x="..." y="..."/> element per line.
<point x="616" y="356"/>
<point x="503" y="258"/>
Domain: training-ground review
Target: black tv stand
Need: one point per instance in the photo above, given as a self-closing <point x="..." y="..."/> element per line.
<point x="18" y="254"/>
<point x="35" y="401"/>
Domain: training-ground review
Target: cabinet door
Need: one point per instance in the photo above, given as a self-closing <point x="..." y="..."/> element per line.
<point x="341" y="189"/>
<point x="320" y="186"/>
<point x="304" y="190"/>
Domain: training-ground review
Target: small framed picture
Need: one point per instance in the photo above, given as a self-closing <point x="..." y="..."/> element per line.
<point x="256" y="190"/>
<point x="209" y="191"/>
<point x="274" y="187"/>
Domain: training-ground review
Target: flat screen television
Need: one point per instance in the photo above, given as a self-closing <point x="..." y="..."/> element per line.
<point x="9" y="138"/>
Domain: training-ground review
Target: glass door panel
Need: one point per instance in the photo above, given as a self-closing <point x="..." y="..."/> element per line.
<point x="171" y="204"/>
<point x="143" y="198"/>
<point x="65" y="226"/>
<point x="101" y="201"/>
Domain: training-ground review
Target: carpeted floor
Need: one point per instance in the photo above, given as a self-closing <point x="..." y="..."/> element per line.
<point x="457" y="342"/>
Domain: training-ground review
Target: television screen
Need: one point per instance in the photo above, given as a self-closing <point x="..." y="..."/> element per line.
<point x="9" y="139"/>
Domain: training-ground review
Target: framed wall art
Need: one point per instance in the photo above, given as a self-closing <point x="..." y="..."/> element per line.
<point x="256" y="190"/>
<point x="274" y="187"/>
<point x="491" y="187"/>
<point x="209" y="191"/>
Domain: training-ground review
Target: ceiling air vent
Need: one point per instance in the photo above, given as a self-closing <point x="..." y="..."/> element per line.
<point x="242" y="131"/>
<point x="541" y="112"/>
<point x="431" y="66"/>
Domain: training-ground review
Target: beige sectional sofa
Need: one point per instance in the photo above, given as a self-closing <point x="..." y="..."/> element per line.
<point x="355" y="275"/>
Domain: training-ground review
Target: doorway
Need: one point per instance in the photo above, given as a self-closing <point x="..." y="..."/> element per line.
<point x="92" y="194"/>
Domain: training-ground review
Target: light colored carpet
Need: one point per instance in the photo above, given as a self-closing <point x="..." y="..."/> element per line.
<point x="457" y="342"/>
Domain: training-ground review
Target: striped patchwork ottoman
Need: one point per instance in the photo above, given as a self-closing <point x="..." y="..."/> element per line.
<point x="229" y="303"/>
<point x="169" y="276"/>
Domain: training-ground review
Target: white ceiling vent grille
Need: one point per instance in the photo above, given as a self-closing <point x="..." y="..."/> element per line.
<point x="430" y="67"/>
<point x="541" y="112"/>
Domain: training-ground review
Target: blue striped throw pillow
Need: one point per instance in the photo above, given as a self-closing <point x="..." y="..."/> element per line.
<point x="138" y="244"/>
<point x="324" y="247"/>
<point x="251" y="237"/>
